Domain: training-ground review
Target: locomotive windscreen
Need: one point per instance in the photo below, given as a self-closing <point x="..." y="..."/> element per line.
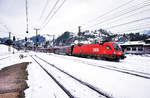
<point x="116" y="47"/>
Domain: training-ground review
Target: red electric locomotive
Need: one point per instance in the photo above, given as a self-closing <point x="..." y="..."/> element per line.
<point x="105" y="50"/>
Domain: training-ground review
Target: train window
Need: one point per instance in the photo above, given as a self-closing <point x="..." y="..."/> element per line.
<point x="128" y="49"/>
<point x="133" y="48"/>
<point x="108" y="47"/>
<point x="140" y="48"/>
<point x="116" y="47"/>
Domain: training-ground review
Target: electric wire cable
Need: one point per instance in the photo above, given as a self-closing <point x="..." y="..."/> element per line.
<point x="43" y="11"/>
<point x="120" y="6"/>
<point x="54" y="13"/>
<point x="50" y="12"/>
<point x="112" y="10"/>
<point x="135" y="29"/>
<point x="128" y="16"/>
<point x="146" y="18"/>
<point x="135" y="9"/>
<point x="114" y="21"/>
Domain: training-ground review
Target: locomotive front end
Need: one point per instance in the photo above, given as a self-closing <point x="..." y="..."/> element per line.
<point x="118" y="52"/>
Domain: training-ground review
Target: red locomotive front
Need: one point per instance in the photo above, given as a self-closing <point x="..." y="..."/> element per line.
<point x="107" y="50"/>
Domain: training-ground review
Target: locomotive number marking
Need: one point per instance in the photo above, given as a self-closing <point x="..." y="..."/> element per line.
<point x="95" y="49"/>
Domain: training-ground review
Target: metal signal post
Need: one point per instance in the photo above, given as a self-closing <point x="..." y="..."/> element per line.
<point x="79" y="34"/>
<point x="36" y="37"/>
<point x="9" y="48"/>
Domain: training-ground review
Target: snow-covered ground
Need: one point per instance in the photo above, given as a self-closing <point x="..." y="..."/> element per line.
<point x="129" y="78"/>
<point x="7" y="58"/>
<point x="111" y="82"/>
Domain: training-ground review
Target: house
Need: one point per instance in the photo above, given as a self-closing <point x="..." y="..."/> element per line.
<point x="147" y="46"/>
<point x="136" y="47"/>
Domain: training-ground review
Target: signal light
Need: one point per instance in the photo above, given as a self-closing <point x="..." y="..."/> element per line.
<point x="26" y="39"/>
<point x="14" y="38"/>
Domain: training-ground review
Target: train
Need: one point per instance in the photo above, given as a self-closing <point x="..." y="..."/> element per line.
<point x="102" y="50"/>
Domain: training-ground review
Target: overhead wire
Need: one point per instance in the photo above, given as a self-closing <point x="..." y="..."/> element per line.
<point x="6" y="30"/>
<point x="50" y="12"/>
<point x="119" y="14"/>
<point x="54" y="14"/>
<point x="136" y="26"/>
<point x="146" y="18"/>
<point x="120" y="6"/>
<point x="43" y="11"/>
<point x="114" y="21"/>
<point x="135" y="29"/>
<point x="108" y="12"/>
<point x="4" y="26"/>
<point x="125" y="13"/>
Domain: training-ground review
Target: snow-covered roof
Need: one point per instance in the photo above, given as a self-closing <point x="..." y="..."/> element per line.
<point x="83" y="42"/>
<point x="133" y="43"/>
<point x="147" y="45"/>
<point x="148" y="39"/>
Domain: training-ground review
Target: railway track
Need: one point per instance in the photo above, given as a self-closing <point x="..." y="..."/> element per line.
<point x="113" y="68"/>
<point x="85" y="86"/>
<point x="5" y="58"/>
<point x="60" y="85"/>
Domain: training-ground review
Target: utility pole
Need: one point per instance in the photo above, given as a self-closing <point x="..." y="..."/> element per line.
<point x="53" y="40"/>
<point x="79" y="33"/>
<point x="36" y="37"/>
<point x="9" y="48"/>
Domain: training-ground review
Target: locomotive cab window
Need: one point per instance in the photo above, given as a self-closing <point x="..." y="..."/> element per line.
<point x="116" y="47"/>
<point x="108" y="47"/>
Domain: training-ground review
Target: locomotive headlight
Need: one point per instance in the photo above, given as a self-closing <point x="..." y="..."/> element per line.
<point x="114" y="52"/>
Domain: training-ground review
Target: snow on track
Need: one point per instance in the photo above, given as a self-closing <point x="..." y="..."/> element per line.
<point x="119" y="85"/>
<point x="132" y="62"/>
<point x="74" y="87"/>
<point x="114" y="68"/>
<point x="40" y="84"/>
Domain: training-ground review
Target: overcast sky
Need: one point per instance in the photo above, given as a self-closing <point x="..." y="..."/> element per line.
<point x="72" y="14"/>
